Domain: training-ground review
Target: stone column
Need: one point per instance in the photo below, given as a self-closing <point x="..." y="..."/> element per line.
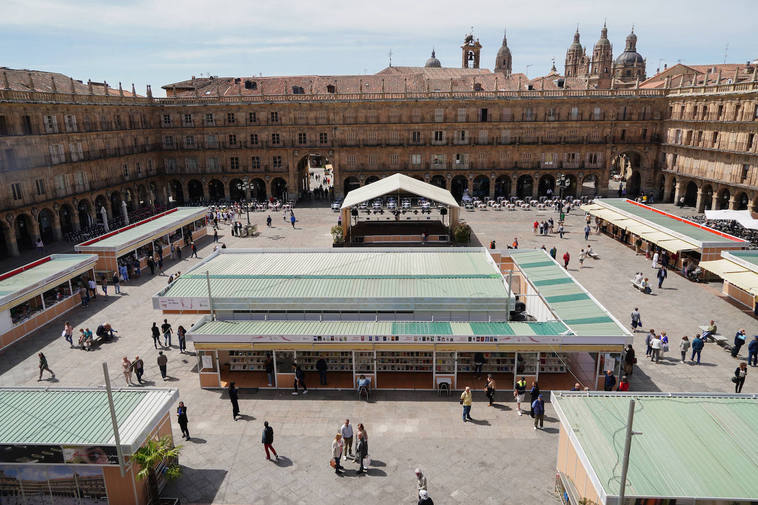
<point x="34" y="231"/>
<point x="57" y="233"/>
<point x="732" y="202"/>
<point x="9" y="233"/>
<point x="76" y="224"/>
<point x="492" y="186"/>
<point x="678" y="194"/>
<point x="715" y="200"/>
<point x="667" y="183"/>
<point x="700" y="204"/>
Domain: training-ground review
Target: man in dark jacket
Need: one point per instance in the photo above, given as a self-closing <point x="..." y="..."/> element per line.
<point x="610" y="380"/>
<point x="233" y="391"/>
<point x="697" y="347"/>
<point x="299" y="379"/>
<point x="321" y="367"/>
<point x="629" y="359"/>
<point x="361" y="451"/>
<point x="156" y="332"/>
<point x="267" y="438"/>
<point x="739" y="341"/>
<point x="752" y="352"/>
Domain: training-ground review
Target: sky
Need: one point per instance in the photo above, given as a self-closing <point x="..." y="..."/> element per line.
<point x="162" y="41"/>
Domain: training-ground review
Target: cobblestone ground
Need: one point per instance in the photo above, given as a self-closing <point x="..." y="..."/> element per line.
<point x="497" y="459"/>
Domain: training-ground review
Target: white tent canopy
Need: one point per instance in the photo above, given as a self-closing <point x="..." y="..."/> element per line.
<point x="744" y="217"/>
<point x="399" y="183"/>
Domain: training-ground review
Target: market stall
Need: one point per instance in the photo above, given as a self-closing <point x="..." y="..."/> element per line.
<point x="35" y="294"/>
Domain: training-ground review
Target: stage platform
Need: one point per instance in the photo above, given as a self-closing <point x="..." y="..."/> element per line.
<point x="399" y="233"/>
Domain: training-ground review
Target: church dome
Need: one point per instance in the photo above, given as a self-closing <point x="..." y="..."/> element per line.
<point x="433" y="62"/>
<point x="630" y="56"/>
<point x="576" y="45"/>
<point x="603" y="41"/>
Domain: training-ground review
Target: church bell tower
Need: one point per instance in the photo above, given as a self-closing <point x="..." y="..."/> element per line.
<point x="470" y="51"/>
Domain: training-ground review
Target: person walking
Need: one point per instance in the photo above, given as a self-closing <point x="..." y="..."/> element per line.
<point x="126" y="367"/>
<point x="167" y="331"/>
<point x="684" y="346"/>
<point x="181" y="418"/>
<point x="538" y="407"/>
<point x="697" y="347"/>
<point x="648" y="342"/>
<point x="662" y="274"/>
<point x="361" y="453"/>
<point x="561" y="230"/>
<point x="610" y="380"/>
<point x="346" y="430"/>
<point x="739" y="341"/>
<point x="267" y="439"/>
<point x="156" y="333"/>
<point x="553" y="252"/>
<point x="739" y="377"/>
<point x="43" y="366"/>
<point x="466" y="399"/>
<point x="68" y="333"/>
<point x="162" y="362"/>
<point x="656" y="344"/>
<point x="490" y="390"/>
<point x="566" y="259"/>
<point x="116" y="283"/>
<point x="421" y="483"/>
<point x="337" y="453"/>
<point x="269" y="366"/>
<point x="268" y="221"/>
<point x="104" y="284"/>
<point x="139" y="368"/>
<point x="752" y="352"/>
<point x="194" y="249"/>
<point x="181" y="334"/>
<point x="534" y="393"/>
<point x="636" y="319"/>
<point x="299" y="379"/>
<point x="587" y="230"/>
<point x="520" y="394"/>
<point x="233" y="392"/>
<point x="321" y="366"/>
<point x="215" y="235"/>
<point x="629" y="360"/>
<point x="582" y="255"/>
<point x="292" y="220"/>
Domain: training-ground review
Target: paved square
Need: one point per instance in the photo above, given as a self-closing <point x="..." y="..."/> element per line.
<point x="497" y="459"/>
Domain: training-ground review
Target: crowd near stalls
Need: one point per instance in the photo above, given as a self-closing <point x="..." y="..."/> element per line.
<point x="738" y="223"/>
<point x="35" y="294"/>
<point x="398" y="210"/>
<point x="411" y="318"/>
<point x="58" y="445"/>
<point x="131" y="249"/>
<point x="653" y="232"/>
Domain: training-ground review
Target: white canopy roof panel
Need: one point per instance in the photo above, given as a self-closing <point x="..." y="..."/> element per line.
<point x="395" y="184"/>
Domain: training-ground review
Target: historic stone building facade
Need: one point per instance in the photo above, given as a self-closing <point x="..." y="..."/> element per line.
<point x="68" y="149"/>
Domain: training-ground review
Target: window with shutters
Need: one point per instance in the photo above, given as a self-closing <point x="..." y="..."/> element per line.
<point x="166" y="120"/>
<point x="254" y="139"/>
<point x="70" y="121"/>
<point x="212" y="164"/>
<point x="483" y="137"/>
<point x="209" y="119"/>
<point x="231" y="118"/>
<point x="57" y="154"/>
<point x="251" y="117"/>
<point x="416" y="137"/>
<point x="275" y="139"/>
<point x="276" y="162"/>
<point x="234" y="163"/>
<point x="51" y="124"/>
<point x="16" y="191"/>
<point x="170" y="165"/>
<point x="232" y="140"/>
<point x="190" y="164"/>
<point x="439" y="136"/>
<point x="351" y="160"/>
<point x="274" y="117"/>
<point x="415" y="159"/>
<point x="125" y="170"/>
<point x="255" y="162"/>
<point x="189" y="141"/>
<point x="461" y="115"/>
<point x="439" y="115"/>
<point x="574" y="113"/>
<point x="211" y="141"/>
<point x="394" y="159"/>
<point x="168" y="141"/>
<point x="59" y="182"/>
<point x="302" y="138"/>
<point x="39" y="184"/>
<point x="438" y="160"/>
<point x="507" y="114"/>
<point x="323" y="138"/>
<point x="187" y="119"/>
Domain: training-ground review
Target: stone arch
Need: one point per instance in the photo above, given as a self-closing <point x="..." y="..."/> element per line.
<point x="142" y="197"/>
<point x="100" y="203"/>
<point x="723" y="198"/>
<point x="371" y="179"/>
<point x="706" y="195"/>
<point x="85" y="213"/>
<point x="589" y="185"/>
<point x="570" y="190"/>
<point x="439" y="181"/>
<point x="177" y="192"/>
<point x="350" y="184"/>
<point x="524" y="186"/>
<point x="129" y="198"/>
<point x="215" y="190"/>
<point x="46" y="223"/>
<point x="24" y="230"/>
<point x="258" y="189"/>
<point x="66" y="215"/>
<point x="195" y="190"/>
<point x="660" y="193"/>
<point x="672" y="191"/>
<point x="116" y="203"/>
<point x="627" y="164"/>
<point x="480" y="186"/>
<point x="634" y="184"/>
<point x="156" y="195"/>
<point x="547" y="182"/>
<point x="503" y="186"/>
<point x="741" y="201"/>
<point x="458" y="186"/>
<point x="279" y="189"/>
<point x="236" y="194"/>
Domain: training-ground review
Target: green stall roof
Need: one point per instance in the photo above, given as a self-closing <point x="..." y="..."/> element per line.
<point x="696" y="233"/>
<point x="748" y="257"/>
<point x="18" y="282"/>
<point x="691" y="445"/>
<point x="567" y="299"/>
<point x="80" y="417"/>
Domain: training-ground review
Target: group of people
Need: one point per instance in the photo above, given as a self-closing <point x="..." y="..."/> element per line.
<point x="342" y="447"/>
<point x="536" y="401"/>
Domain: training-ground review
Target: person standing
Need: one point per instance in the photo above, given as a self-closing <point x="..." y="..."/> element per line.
<point x="43" y="366"/>
<point x="739" y="341"/>
<point x="566" y="259"/>
<point x="92" y="288"/>
<point x="40" y="246"/>
<point x="361" y="452"/>
<point x="299" y="379"/>
<point x="194" y="249"/>
<point x="466" y="399"/>
<point x="269" y="366"/>
<point x="520" y="394"/>
<point x="654" y="262"/>
<point x="648" y="342"/>
<point x="233" y="392"/>
<point x="68" y="333"/>
<point x="623" y="384"/>
<point x="421" y="483"/>
<point x="662" y="274"/>
<point x="697" y="347"/>
<point x="126" y="367"/>
<point x="181" y="417"/>
<point x="610" y="380"/>
<point x="752" y="352"/>
<point x="104" y="284"/>
<point x="538" y="407"/>
<point x="151" y="265"/>
<point x="684" y="346"/>
<point x="362" y="431"/>
<point x="167" y="331"/>
<point x="267" y="439"/>
<point x="346" y="430"/>
<point x="739" y="377"/>
<point x="582" y="255"/>
<point x="215" y="235"/>
<point x="181" y="334"/>
<point x="490" y="389"/>
<point x="587" y="230"/>
<point x="139" y="368"/>
<point x="268" y="221"/>
<point x="116" y="283"/>
<point x="553" y="252"/>
<point x="629" y="360"/>
<point x="321" y="366"/>
<point x="535" y="225"/>
<point x="337" y="453"/>
<point x="636" y="319"/>
<point x="655" y="345"/>
<point x="561" y="230"/>
<point x="156" y="332"/>
<point x="292" y="220"/>
<point x="534" y="393"/>
<point x="162" y="362"/>
<point x="479" y="362"/>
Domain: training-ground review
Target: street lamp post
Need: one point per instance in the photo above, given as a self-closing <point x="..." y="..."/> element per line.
<point x="246" y="186"/>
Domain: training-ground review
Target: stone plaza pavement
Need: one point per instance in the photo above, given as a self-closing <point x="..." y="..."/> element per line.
<point x="497" y="459"/>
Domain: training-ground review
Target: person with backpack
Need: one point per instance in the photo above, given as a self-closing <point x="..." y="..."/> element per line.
<point x="267" y="439"/>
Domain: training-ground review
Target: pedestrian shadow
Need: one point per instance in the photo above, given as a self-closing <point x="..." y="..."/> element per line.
<point x="146" y="383"/>
<point x="500" y="406"/>
<point x="375" y="472"/>
<point x="284" y="461"/>
<point x="171" y="379"/>
<point x="550" y="430"/>
<point x="377" y="463"/>
<point x="211" y="479"/>
<point x="245" y="417"/>
<point x="480" y="422"/>
<point x="196" y="440"/>
<point x="550" y="419"/>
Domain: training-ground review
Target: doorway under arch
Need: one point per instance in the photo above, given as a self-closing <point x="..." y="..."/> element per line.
<point x="458" y="186"/>
<point x="723" y="201"/>
<point x="350" y="184"/>
<point x="177" y="193"/>
<point x="741" y="201"/>
<point x="215" y="190"/>
<point x="279" y="189"/>
<point x="503" y="186"/>
<point x="706" y="198"/>
<point x="66" y="215"/>
<point x="547" y="182"/>
<point x="23" y="231"/>
<point x="85" y="214"/>
<point x="524" y="186"/>
<point x="195" y="190"/>
<point x="45" y="220"/>
<point x="235" y="193"/>
<point x="481" y="186"/>
<point x="634" y="185"/>
<point x="589" y="185"/>
<point x="258" y="189"/>
<point x="439" y="181"/>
